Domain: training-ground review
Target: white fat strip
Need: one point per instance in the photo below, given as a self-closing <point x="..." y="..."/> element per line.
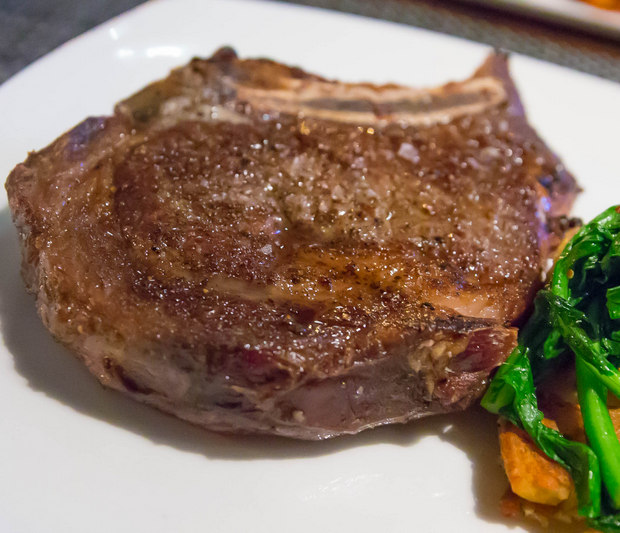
<point x="303" y="97"/>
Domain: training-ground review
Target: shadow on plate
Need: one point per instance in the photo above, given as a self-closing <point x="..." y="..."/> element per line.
<point x="51" y="370"/>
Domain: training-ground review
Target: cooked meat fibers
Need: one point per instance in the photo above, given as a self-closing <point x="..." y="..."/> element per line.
<point x="254" y="248"/>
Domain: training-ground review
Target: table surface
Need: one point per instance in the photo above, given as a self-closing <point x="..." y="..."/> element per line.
<point x="31" y="28"/>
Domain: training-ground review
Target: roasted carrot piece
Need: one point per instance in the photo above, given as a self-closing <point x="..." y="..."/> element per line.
<point x="532" y="475"/>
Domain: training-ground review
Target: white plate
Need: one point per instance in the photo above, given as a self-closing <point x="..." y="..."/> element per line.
<point x="567" y="12"/>
<point x="77" y="458"/>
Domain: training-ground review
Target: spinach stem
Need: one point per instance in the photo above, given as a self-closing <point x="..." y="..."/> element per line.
<point x="590" y="351"/>
<point x="599" y="427"/>
<point x="580" y="313"/>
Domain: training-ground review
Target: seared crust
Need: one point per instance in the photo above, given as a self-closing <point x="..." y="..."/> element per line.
<point x="254" y="248"/>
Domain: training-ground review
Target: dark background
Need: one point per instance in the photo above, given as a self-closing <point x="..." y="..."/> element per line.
<point x="31" y="28"/>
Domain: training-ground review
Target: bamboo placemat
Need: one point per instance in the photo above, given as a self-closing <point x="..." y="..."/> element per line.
<point x="31" y="28"/>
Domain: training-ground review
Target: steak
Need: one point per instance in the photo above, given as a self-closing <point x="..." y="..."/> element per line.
<point x="254" y="248"/>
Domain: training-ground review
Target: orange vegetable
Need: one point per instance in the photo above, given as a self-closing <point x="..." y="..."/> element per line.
<point x="532" y="475"/>
<point x="605" y="4"/>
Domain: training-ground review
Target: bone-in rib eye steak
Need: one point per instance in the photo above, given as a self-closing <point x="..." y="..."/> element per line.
<point x="254" y="248"/>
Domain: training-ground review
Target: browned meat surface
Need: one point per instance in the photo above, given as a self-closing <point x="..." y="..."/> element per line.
<point x="254" y="248"/>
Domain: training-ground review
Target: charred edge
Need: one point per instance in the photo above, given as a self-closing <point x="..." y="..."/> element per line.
<point x="560" y="225"/>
